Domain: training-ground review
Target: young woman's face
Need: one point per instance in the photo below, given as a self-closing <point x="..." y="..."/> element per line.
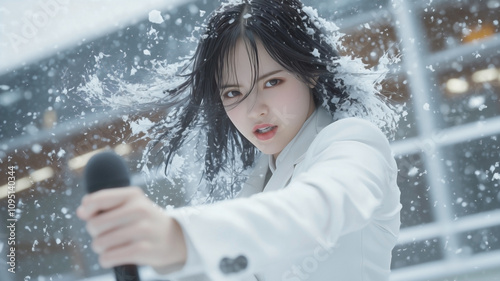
<point x="278" y="104"/>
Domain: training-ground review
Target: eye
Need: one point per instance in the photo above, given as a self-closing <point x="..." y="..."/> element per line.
<point x="272" y="83"/>
<point x="230" y="94"/>
<point x="231" y="98"/>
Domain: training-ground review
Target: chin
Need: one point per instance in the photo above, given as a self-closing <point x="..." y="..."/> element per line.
<point x="269" y="151"/>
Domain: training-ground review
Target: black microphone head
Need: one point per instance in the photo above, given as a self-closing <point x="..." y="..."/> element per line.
<point x="106" y="170"/>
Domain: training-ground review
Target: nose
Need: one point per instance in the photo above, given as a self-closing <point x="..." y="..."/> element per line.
<point x="256" y="104"/>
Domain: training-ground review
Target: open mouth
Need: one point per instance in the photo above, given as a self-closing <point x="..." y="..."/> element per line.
<point x="265" y="131"/>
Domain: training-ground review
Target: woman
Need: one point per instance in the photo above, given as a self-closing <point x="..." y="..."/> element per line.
<point x="322" y="201"/>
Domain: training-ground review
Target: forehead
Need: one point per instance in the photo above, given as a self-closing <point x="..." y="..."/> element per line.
<point x="242" y="64"/>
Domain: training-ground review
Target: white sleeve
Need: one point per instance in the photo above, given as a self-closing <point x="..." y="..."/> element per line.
<point x="192" y="269"/>
<point x="349" y="182"/>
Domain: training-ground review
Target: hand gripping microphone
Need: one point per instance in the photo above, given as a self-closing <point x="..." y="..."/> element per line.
<point x="108" y="170"/>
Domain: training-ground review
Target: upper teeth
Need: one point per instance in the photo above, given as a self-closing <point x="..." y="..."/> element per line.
<point x="265" y="130"/>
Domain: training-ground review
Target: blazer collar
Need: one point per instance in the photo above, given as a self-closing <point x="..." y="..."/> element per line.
<point x="294" y="152"/>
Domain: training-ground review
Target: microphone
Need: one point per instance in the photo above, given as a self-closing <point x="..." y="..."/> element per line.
<point x="108" y="170"/>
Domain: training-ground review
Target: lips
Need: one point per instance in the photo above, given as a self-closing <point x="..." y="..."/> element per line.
<point x="265" y="131"/>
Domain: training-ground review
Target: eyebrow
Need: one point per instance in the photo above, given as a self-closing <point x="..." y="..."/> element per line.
<point x="260" y="78"/>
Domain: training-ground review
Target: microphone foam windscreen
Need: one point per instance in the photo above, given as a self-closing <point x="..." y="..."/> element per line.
<point x="106" y="170"/>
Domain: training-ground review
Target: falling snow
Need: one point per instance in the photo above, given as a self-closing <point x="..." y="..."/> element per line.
<point x="79" y="90"/>
<point x="155" y="17"/>
<point x="315" y="53"/>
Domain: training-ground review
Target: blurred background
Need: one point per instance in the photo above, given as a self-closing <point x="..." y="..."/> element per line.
<point x="447" y="146"/>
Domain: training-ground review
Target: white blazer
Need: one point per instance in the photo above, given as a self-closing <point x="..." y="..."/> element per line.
<point x="330" y="211"/>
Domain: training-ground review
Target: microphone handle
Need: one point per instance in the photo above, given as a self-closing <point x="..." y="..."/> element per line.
<point x="127" y="273"/>
<point x="109" y="170"/>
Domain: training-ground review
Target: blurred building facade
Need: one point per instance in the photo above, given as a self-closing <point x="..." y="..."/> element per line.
<point x="447" y="147"/>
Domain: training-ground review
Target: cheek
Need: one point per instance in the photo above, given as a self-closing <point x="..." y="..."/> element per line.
<point x="304" y="97"/>
<point x="235" y="117"/>
<point x="293" y="99"/>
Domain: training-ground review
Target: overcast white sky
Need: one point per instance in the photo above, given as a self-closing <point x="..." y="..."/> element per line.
<point x="32" y="29"/>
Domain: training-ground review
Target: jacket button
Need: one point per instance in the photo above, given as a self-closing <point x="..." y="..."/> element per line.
<point x="228" y="265"/>
<point x="241" y="263"/>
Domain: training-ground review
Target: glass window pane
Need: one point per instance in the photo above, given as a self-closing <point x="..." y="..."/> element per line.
<point x="450" y="24"/>
<point x="417" y="252"/>
<point x="479" y="241"/>
<point x="472" y="170"/>
<point x="470" y="92"/>
<point x="414" y="191"/>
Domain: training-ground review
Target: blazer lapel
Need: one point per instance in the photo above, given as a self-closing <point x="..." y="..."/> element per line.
<point x="255" y="182"/>
<point x="295" y="151"/>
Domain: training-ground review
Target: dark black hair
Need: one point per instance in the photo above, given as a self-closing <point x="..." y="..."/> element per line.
<point x="290" y="36"/>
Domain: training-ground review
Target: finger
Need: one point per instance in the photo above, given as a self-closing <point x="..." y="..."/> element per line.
<point x="138" y="253"/>
<point x="106" y="199"/>
<point x="130" y="212"/>
<point x="81" y="213"/>
<point x="157" y="244"/>
<point x="121" y="236"/>
<point x="130" y="253"/>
